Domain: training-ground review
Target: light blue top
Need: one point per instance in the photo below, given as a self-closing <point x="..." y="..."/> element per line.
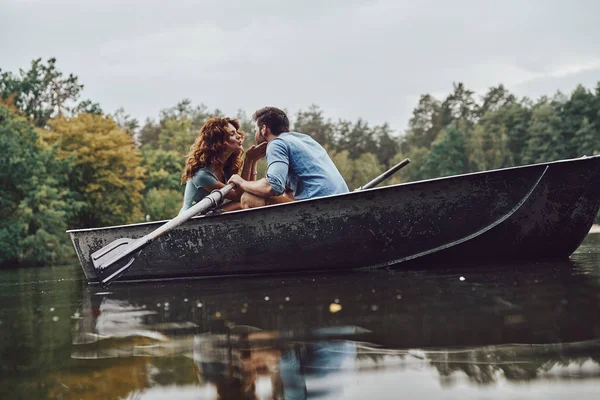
<point x="194" y="187"/>
<point x="297" y="161"/>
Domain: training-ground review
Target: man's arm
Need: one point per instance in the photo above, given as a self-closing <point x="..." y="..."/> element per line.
<point x="260" y="188"/>
<point x="274" y="183"/>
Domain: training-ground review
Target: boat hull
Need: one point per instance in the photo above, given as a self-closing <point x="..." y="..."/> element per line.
<point x="530" y="212"/>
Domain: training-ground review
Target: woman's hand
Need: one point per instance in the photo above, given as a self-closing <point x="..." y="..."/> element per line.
<point x="256" y="152"/>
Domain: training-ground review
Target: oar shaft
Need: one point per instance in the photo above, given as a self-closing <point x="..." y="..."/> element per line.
<point x="213" y="199"/>
<point x="385" y="175"/>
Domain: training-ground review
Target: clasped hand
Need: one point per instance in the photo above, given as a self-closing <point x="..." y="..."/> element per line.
<point x="256" y="152"/>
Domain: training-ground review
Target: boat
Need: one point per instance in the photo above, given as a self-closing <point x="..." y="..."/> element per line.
<point x="538" y="211"/>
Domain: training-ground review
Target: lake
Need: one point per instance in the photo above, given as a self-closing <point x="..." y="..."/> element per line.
<point x="526" y="331"/>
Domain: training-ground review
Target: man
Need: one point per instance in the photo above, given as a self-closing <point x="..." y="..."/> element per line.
<point x="297" y="166"/>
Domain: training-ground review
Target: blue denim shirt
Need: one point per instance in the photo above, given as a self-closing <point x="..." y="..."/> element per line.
<point x="297" y="161"/>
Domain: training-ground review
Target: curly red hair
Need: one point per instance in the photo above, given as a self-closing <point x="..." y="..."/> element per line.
<point x="208" y="147"/>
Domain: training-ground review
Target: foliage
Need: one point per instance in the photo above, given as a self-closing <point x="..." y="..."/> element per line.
<point x="43" y="92"/>
<point x="124" y="121"/>
<point x="447" y="155"/>
<point x="357" y="172"/>
<point x="544" y="142"/>
<point x="107" y="174"/>
<point x="79" y="168"/>
<point x="160" y="204"/>
<point x="163" y="168"/>
<point x="177" y="127"/>
<point x="34" y="204"/>
<point x="163" y="194"/>
<point x="313" y="123"/>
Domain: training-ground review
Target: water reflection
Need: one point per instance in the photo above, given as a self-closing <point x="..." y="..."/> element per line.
<point x="344" y="336"/>
<point x="516" y="331"/>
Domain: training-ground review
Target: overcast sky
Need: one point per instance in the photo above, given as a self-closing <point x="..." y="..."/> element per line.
<point x="354" y="58"/>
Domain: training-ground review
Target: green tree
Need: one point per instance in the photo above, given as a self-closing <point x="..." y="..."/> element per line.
<point x="424" y="125"/>
<point x="459" y="105"/>
<point x="177" y="127"/>
<point x="124" y="121"/>
<point x="177" y="135"/>
<point x="355" y="138"/>
<point x="415" y="170"/>
<point x="544" y="138"/>
<point x="578" y="107"/>
<point x="163" y="194"/>
<point x="447" y="156"/>
<point x="312" y="122"/>
<point x="34" y="202"/>
<point x="164" y="168"/>
<point x="387" y="145"/>
<point x="357" y="172"/>
<point x="515" y="118"/>
<point x="160" y="204"/>
<point x="107" y="175"/>
<point x="495" y="99"/>
<point x="492" y="134"/>
<point x="43" y="92"/>
<point x="587" y="138"/>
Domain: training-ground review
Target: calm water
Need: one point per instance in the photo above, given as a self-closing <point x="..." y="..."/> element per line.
<point x="512" y="331"/>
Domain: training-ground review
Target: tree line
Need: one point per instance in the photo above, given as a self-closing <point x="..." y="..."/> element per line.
<point x="68" y="164"/>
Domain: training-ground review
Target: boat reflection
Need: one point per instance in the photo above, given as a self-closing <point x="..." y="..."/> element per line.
<point x="302" y="337"/>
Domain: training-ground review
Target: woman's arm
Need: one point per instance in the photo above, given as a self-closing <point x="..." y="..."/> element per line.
<point x="249" y="170"/>
<point x="253" y="154"/>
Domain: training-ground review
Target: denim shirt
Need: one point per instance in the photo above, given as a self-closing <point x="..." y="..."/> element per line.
<point x="296" y="160"/>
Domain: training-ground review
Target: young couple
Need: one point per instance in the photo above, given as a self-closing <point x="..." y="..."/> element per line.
<point x="297" y="166"/>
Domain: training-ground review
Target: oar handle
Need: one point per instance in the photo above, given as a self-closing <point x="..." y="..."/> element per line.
<point x="385" y="175"/>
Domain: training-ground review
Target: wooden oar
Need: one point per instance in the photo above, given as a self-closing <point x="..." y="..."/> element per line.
<point x="114" y="259"/>
<point x="385" y="175"/>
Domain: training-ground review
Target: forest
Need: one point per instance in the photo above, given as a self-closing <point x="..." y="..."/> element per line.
<point x="66" y="163"/>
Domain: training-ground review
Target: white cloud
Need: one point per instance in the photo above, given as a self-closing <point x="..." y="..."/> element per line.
<point x="359" y="58"/>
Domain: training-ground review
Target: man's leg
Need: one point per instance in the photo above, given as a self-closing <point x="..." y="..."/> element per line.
<point x="249" y="200"/>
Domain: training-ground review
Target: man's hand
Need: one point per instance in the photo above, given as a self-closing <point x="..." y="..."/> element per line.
<point x="236" y="180"/>
<point x="260" y="188"/>
<point x="256" y="152"/>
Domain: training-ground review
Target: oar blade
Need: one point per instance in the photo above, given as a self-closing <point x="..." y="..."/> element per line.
<point x="107" y="273"/>
<point x="114" y="271"/>
<point x="110" y="250"/>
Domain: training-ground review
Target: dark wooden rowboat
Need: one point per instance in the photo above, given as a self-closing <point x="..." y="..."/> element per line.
<point x="529" y="212"/>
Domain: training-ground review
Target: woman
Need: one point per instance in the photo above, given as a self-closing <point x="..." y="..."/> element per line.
<point x="214" y="157"/>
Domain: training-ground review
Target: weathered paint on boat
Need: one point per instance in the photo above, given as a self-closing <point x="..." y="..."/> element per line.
<point x="528" y="212"/>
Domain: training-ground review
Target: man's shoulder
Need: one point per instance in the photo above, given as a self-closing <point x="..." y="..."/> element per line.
<point x="294" y="137"/>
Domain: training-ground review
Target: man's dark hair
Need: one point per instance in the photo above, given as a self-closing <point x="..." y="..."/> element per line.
<point x="274" y="118"/>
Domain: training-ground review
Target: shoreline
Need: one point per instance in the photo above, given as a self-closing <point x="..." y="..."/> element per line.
<point x="595" y="228"/>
